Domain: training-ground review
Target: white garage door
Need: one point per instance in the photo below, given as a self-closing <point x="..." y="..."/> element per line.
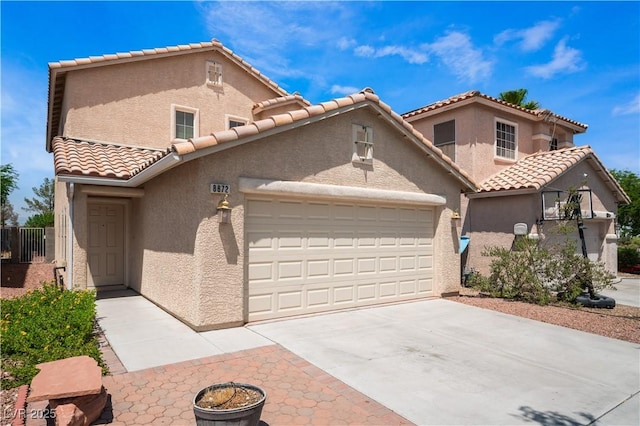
<point x="308" y="256"/>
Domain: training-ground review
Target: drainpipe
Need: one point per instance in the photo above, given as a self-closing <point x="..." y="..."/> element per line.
<point x="70" y="234"/>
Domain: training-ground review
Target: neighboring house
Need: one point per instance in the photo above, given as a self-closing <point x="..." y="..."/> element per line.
<point x="525" y="162"/>
<point x="333" y="206"/>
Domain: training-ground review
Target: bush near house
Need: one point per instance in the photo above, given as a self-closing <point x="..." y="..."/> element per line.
<point x="533" y="273"/>
<point x="45" y="325"/>
<point x="629" y="254"/>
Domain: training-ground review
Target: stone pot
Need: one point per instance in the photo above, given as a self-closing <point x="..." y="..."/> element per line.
<point x="248" y="415"/>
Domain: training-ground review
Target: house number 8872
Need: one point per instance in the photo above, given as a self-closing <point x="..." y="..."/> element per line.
<point x="220" y="188"/>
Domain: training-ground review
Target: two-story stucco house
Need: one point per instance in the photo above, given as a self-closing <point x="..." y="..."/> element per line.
<point x="525" y="162"/>
<point x="187" y="175"/>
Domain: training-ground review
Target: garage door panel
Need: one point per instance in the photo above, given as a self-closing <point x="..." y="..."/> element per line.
<point x="343" y="294"/>
<point x="291" y="300"/>
<point x="321" y="256"/>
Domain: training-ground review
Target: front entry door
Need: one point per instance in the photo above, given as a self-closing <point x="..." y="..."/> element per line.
<point x="105" y="253"/>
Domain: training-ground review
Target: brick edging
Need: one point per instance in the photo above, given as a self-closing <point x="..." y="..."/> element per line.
<point x="20" y="407"/>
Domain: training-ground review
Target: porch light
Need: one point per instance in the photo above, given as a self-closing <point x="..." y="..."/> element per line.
<point x="455" y="218"/>
<point x="224" y="211"/>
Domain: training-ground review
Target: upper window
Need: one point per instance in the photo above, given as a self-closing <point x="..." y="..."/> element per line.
<point x="553" y="145"/>
<point x="214" y="74"/>
<point x="362" y="143"/>
<point x="506" y="140"/>
<point x="184" y="122"/>
<point x="444" y="137"/>
<point x="233" y="121"/>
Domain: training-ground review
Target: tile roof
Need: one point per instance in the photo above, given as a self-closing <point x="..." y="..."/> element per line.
<point x="107" y="160"/>
<point x="100" y="159"/>
<point x="164" y="51"/>
<point x="535" y="171"/>
<point x="58" y="70"/>
<point x="537" y="114"/>
<point x="316" y="111"/>
<point x="282" y="100"/>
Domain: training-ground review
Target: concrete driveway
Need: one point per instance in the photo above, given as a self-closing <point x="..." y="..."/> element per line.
<point x="627" y="292"/>
<point x="439" y="362"/>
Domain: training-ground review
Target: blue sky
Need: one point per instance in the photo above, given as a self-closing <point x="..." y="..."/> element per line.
<point x="578" y="59"/>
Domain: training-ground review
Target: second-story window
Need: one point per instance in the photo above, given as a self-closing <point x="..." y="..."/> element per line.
<point x="506" y="138"/>
<point x="444" y="137"/>
<point x="234" y="121"/>
<point x="184" y="122"/>
<point x="553" y="145"/>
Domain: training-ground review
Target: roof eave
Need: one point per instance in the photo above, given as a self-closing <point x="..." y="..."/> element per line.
<point x="168" y="162"/>
<point x="502" y="193"/>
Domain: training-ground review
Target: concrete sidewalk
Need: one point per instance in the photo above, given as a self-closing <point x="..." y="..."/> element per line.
<point x="144" y="336"/>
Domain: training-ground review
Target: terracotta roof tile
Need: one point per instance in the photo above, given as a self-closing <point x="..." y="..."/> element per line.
<point x="85" y="158"/>
<point x="536" y="170"/>
<point x="282" y="100"/>
<point x="536" y="114"/>
<point x="88" y="158"/>
<point x="291" y="117"/>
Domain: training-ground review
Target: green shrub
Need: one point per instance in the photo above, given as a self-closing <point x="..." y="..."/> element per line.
<point x="533" y="273"/>
<point x="45" y="325"/>
<point x="628" y="256"/>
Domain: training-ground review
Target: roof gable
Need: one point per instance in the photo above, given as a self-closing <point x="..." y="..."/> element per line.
<point x="206" y="145"/>
<point x="59" y="70"/>
<point x="474" y="96"/>
<point x="535" y="171"/>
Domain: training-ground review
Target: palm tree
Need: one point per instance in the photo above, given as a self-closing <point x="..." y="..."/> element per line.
<point x="518" y="97"/>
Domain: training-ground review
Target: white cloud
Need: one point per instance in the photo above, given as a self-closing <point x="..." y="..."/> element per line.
<point x="345" y="43"/>
<point x="532" y="38"/>
<point x="365" y="51"/>
<point x="412" y="56"/>
<point x="344" y="90"/>
<point x="566" y="60"/>
<point x="631" y="107"/>
<point x="464" y="60"/>
<point x="267" y="34"/>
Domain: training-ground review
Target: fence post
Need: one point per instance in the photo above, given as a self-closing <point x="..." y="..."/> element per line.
<point x="49" y="244"/>
<point x="15" y="244"/>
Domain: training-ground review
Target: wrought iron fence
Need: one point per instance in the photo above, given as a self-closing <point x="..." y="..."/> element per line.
<point x="27" y="245"/>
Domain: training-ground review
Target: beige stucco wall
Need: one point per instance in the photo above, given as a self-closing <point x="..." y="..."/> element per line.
<point x="182" y="259"/>
<point x="475" y="136"/>
<point x="133" y="103"/>
<point x="489" y="221"/>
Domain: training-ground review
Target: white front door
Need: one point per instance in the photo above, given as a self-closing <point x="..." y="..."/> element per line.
<point x="105" y="244"/>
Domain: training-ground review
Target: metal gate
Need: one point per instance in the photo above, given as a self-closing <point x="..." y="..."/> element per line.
<point x="30" y="246"/>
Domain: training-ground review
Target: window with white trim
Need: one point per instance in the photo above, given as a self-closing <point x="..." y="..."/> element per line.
<point x="362" y="143"/>
<point x="233" y="121"/>
<point x="444" y="137"/>
<point x="184" y="122"/>
<point x="214" y="74"/>
<point x="506" y="137"/>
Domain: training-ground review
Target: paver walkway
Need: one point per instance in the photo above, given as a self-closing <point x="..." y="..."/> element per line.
<point x="298" y="393"/>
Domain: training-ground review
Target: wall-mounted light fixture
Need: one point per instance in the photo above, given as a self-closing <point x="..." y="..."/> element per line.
<point x="455" y="218"/>
<point x="224" y="211"/>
